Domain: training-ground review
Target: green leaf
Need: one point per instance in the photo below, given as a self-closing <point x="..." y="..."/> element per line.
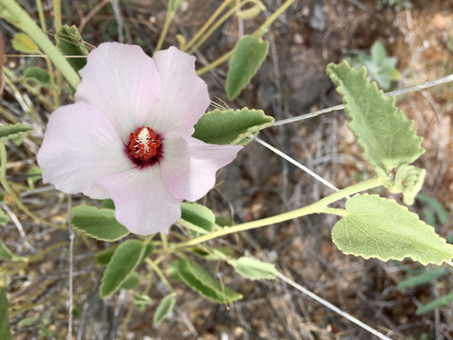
<point x="5" y="333"/>
<point x="409" y="180"/>
<point x="103" y="257"/>
<point x="203" y="283"/>
<point x="427" y="276"/>
<point x="443" y="301"/>
<point x="3" y="217"/>
<point x="27" y="322"/>
<point x="39" y="76"/>
<point x="173" y="271"/>
<point x="98" y="223"/>
<point x="5" y="253"/>
<point x="382" y="131"/>
<point x="197" y="217"/>
<point x="131" y="281"/>
<point x="70" y="43"/>
<point x="126" y="258"/>
<point x="248" y="55"/>
<point x="379" y="227"/>
<point x="108" y="204"/>
<point x="443" y="215"/>
<point x="23" y="43"/>
<point x="230" y="126"/>
<point x="254" y="269"/>
<point x="34" y="175"/>
<point x="141" y="301"/>
<point x="213" y="254"/>
<point x="148" y="251"/>
<point x="165" y="307"/>
<point x="13" y="131"/>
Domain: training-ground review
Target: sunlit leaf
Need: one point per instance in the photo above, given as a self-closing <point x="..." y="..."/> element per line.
<point x="381" y="228"/>
<point x="383" y="132"/>
<point x="248" y="55"/>
<point x="230" y="126"/>
<point x="23" y="43"/>
<point x="165" y="307"/>
<point x="254" y="269"/>
<point x="197" y="217"/>
<point x="202" y="282"/>
<point x="123" y="262"/>
<point x="97" y="223"/>
<point x="13" y="131"/>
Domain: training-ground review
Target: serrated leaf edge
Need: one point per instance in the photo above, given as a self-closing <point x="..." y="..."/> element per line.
<point x="17" y="134"/>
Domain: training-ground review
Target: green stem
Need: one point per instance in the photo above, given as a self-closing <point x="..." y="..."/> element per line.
<point x="57" y="15"/>
<point x="159" y="273"/>
<point x="215" y="63"/>
<point x="163" y="34"/>
<point x="26" y="24"/>
<point x="315" y="208"/>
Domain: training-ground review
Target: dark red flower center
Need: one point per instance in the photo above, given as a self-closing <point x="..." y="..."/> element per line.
<point x="144" y="146"/>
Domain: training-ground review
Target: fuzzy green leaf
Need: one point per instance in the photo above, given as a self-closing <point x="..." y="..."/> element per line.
<point x="103" y="257"/>
<point x="203" y="283"/>
<point x="442" y="301"/>
<point x="383" y="132"/>
<point x="13" y="131"/>
<point x="248" y="55"/>
<point x="230" y="126"/>
<point x="126" y="258"/>
<point x="442" y="214"/>
<point x="23" y="43"/>
<point x="70" y="43"/>
<point x="131" y="281"/>
<point x="5" y="253"/>
<point x="5" y="333"/>
<point x="197" y="217"/>
<point x="423" y="278"/>
<point x="39" y="76"/>
<point x="165" y="307"/>
<point x="381" y="228"/>
<point x="254" y="269"/>
<point x="409" y="180"/>
<point x="98" y="223"/>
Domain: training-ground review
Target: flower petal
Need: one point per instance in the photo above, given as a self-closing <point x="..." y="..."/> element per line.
<point x="122" y="82"/>
<point x="183" y="96"/>
<point x="142" y="203"/>
<point x="189" y="166"/>
<point x="81" y="146"/>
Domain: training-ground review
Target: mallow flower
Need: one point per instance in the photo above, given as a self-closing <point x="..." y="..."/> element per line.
<point x="128" y="136"/>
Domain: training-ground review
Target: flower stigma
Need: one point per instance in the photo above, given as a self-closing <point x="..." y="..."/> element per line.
<point x="144" y="146"/>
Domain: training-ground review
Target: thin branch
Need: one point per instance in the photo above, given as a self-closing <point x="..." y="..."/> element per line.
<point x="409" y="89"/>
<point x="331" y="307"/>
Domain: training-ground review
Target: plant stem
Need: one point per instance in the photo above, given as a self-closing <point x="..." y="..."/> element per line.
<point x="26" y="24"/>
<point x="315" y="208"/>
<point x="159" y="273"/>
<point x="163" y="34"/>
<point x="215" y="63"/>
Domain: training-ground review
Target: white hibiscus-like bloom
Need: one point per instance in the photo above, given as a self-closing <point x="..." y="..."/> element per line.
<point x="128" y="136"/>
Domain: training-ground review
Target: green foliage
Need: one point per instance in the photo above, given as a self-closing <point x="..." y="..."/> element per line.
<point x="70" y="43"/>
<point x="97" y="223"/>
<point x="38" y="76"/>
<point x="197" y="218"/>
<point x="441" y="213"/>
<point x="248" y="55"/>
<point x="5" y="333"/>
<point x="409" y="180"/>
<point x="123" y="262"/>
<point x="382" y="131"/>
<point x="380" y="67"/>
<point x="141" y="301"/>
<point x="23" y="43"/>
<point x="5" y="253"/>
<point x="3" y="218"/>
<point x="165" y="307"/>
<point x="203" y="283"/>
<point x="27" y="322"/>
<point x="379" y="227"/>
<point x="131" y="281"/>
<point x="213" y="254"/>
<point x="230" y="126"/>
<point x="174" y="5"/>
<point x="442" y="301"/>
<point x="13" y="131"/>
<point x="425" y="277"/>
<point x="103" y="257"/>
<point x="254" y="269"/>
<point x="34" y="175"/>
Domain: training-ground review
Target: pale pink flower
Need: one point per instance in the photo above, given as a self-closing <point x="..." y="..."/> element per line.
<point x="128" y="136"/>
